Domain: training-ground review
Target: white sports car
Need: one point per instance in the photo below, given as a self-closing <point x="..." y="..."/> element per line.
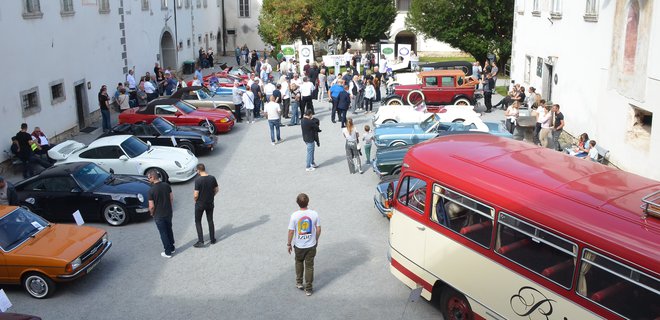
<point x="126" y="154"/>
<point x="413" y="114"/>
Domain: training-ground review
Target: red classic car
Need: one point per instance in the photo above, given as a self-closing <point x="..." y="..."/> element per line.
<point x="180" y="113"/>
<point x="224" y="79"/>
<point x="437" y="87"/>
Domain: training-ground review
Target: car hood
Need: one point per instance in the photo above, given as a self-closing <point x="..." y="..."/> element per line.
<point x="167" y="153"/>
<point x="125" y="184"/>
<point x="393" y="154"/>
<point x="60" y="241"/>
<point x="211" y="114"/>
<point x="397" y="128"/>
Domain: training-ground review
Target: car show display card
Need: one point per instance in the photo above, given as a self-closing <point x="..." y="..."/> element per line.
<point x="5" y="304"/>
<point x="78" y="217"/>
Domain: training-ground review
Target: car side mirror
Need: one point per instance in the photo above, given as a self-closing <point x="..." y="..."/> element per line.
<point x="149" y="143"/>
<point x="178" y="113"/>
<point x="123" y="158"/>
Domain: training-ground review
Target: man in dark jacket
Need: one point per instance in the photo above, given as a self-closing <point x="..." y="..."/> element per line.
<point x="343" y="103"/>
<point x="8" y="194"/>
<point x="310" y="133"/>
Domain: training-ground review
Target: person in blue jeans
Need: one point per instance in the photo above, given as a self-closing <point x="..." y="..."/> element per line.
<point x="160" y="208"/>
<point x="104" y="105"/>
<point x="295" y="102"/>
<point x="310" y="132"/>
<point x="343" y="103"/>
<point x="273" y="112"/>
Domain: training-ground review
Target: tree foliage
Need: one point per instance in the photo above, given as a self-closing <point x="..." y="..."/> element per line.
<point x="283" y="21"/>
<point x="357" y="19"/>
<point x="477" y="27"/>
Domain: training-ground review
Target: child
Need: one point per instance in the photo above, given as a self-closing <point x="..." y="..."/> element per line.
<point x="593" y="152"/>
<point x="368" y="138"/>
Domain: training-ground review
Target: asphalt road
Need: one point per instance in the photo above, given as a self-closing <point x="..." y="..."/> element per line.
<point x="248" y="273"/>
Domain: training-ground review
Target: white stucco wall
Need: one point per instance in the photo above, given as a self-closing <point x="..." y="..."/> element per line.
<point x="247" y="31"/>
<point x="424" y="45"/>
<point x="583" y="64"/>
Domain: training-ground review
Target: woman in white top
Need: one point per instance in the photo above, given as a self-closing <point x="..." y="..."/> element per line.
<point x="122" y="100"/>
<point x="511" y="114"/>
<point x="369" y="96"/>
<point x="546" y="126"/>
<point x="352" y="152"/>
<point x="248" y="102"/>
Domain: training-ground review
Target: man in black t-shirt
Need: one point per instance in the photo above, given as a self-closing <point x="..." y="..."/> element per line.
<point x="25" y="151"/>
<point x="557" y="126"/>
<point x="160" y="207"/>
<point x="206" y="187"/>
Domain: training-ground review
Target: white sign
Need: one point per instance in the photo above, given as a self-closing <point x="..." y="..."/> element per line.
<point x="336" y="60"/>
<point x="404" y="53"/>
<point x="387" y="50"/>
<point x="78" y="217"/>
<point x="306" y="53"/>
<point x="5" y="304"/>
<point x="289" y="51"/>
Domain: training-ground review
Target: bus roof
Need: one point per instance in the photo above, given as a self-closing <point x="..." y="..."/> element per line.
<point x="584" y="200"/>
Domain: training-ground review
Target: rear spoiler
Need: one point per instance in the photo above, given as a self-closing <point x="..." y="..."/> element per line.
<point x="65" y="149"/>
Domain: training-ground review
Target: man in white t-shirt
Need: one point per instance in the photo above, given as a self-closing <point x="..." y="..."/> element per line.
<point x="304" y="232"/>
<point x="286" y="98"/>
<point x="273" y="112"/>
<point x="306" y="90"/>
<point x="269" y="87"/>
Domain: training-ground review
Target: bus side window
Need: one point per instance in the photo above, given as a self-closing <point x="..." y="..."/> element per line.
<point x="462" y="215"/>
<point x="412" y="193"/>
<point x="536" y="250"/>
<point x="623" y="290"/>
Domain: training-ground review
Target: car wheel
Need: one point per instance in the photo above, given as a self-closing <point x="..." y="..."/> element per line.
<point x="38" y="285"/>
<point x="188" y="146"/>
<point x="454" y="305"/>
<point x="161" y="173"/>
<point x="208" y="125"/>
<point x="389" y="121"/>
<point x="462" y="102"/>
<point x="398" y="143"/>
<point x="415" y="97"/>
<point x="394" y="102"/>
<point x="115" y="214"/>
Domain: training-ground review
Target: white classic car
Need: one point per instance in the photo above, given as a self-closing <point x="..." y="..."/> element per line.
<point x="413" y="114"/>
<point x="126" y="154"/>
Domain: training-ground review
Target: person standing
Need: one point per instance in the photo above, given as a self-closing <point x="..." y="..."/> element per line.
<point x="322" y="86"/>
<point x="369" y="96"/>
<point x="303" y="238"/>
<point x="539" y="111"/>
<point x="273" y="112"/>
<point x="306" y="90"/>
<point x="160" y="208"/>
<point x="368" y="140"/>
<point x="295" y="104"/>
<point x="557" y="126"/>
<point x="488" y="93"/>
<point x="142" y="96"/>
<point x="206" y="187"/>
<point x="343" y="103"/>
<point x="378" y="77"/>
<point x="546" y="126"/>
<point x="512" y="113"/>
<point x="334" y="92"/>
<point x="237" y="99"/>
<point x="237" y="52"/>
<point x="286" y="97"/>
<point x="104" y="105"/>
<point x="352" y="152"/>
<point x="122" y="100"/>
<point x="257" y="96"/>
<point x="248" y="102"/>
<point x="310" y="133"/>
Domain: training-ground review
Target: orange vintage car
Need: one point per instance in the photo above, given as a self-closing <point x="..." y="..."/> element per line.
<point x="37" y="254"/>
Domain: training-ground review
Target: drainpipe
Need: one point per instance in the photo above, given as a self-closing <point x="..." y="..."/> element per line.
<point x="224" y="31"/>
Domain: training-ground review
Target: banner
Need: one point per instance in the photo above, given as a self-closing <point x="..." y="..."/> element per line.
<point x="404" y="52"/>
<point x="306" y="53"/>
<point x="386" y="51"/>
<point x="336" y="61"/>
<point x="289" y="51"/>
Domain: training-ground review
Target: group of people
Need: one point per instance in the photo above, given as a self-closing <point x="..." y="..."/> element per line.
<point x="31" y="148"/>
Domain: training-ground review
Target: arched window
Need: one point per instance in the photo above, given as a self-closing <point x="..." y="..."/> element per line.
<point x="630" y="48"/>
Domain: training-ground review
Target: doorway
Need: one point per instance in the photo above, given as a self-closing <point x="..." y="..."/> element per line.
<point x="82" y="109"/>
<point x="168" y="51"/>
<point x="548" y="75"/>
<point x="406" y="37"/>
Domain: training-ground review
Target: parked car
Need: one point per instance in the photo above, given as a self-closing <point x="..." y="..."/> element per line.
<point x="57" y="192"/>
<point x="36" y="254"/>
<point x="180" y="113"/>
<point x="129" y="155"/>
<point x="437" y="87"/>
<point x="399" y="134"/>
<point x="161" y="132"/>
<point x="202" y="97"/>
<point x="416" y="114"/>
<point x="464" y="66"/>
<point x="383" y="188"/>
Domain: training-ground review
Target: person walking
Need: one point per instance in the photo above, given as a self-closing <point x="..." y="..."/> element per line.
<point x="310" y="132"/>
<point x="237" y="99"/>
<point x="104" y="105"/>
<point x="368" y="140"/>
<point x="343" y="103"/>
<point x="206" y="187"/>
<point x="557" y="126"/>
<point x="273" y="112"/>
<point x="160" y="207"/>
<point x="303" y="238"/>
<point x="248" y="101"/>
<point x="352" y="152"/>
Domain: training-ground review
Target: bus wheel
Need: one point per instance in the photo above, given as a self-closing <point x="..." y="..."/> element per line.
<point x="454" y="306"/>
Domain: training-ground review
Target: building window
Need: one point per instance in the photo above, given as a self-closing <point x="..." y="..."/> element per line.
<point x="30" y="101"/>
<point x="403" y="5"/>
<point x="67" y="8"/>
<point x="218" y="3"/>
<point x="179" y="3"/>
<point x="104" y="6"/>
<point x="591" y="12"/>
<point x="555" y="9"/>
<point x="528" y="68"/>
<point x="199" y="3"/>
<point x="206" y="3"/>
<point x="188" y="42"/>
<point x="145" y="5"/>
<point x="163" y="4"/>
<point x="57" y="91"/>
<point x="536" y="8"/>
<point x="187" y="4"/>
<point x="32" y="9"/>
<point x="520" y="6"/>
<point x="244" y="8"/>
<point x="630" y="48"/>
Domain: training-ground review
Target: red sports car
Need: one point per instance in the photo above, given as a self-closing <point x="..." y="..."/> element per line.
<point x="180" y="113"/>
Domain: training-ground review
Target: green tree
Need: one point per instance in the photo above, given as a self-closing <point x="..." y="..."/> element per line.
<point x="283" y="21"/>
<point x="357" y="19"/>
<point x="477" y="27"/>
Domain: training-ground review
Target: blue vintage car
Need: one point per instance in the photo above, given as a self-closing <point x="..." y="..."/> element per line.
<point x="401" y="134"/>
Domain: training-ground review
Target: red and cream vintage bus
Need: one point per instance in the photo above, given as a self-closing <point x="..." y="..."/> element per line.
<point x="492" y="228"/>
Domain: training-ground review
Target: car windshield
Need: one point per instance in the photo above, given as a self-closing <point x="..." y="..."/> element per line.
<point x="202" y="94"/>
<point x="429" y="122"/>
<point x="18" y="226"/>
<point x="90" y="176"/>
<point x="462" y="126"/>
<point x="184" y="107"/>
<point x="163" y="125"/>
<point x="134" y="147"/>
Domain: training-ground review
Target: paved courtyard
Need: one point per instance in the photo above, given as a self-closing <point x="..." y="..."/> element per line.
<point x="248" y="273"/>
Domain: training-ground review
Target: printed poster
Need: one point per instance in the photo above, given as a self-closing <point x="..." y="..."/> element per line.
<point x="306" y="52"/>
<point x="289" y="51"/>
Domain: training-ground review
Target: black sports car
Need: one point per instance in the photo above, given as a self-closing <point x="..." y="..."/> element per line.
<point x="161" y="132"/>
<point x="57" y="192"/>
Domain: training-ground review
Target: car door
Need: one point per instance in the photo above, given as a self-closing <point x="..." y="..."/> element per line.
<point x="107" y="157"/>
<point x="407" y="229"/>
<point x="430" y="89"/>
<point x="34" y="193"/>
<point x="62" y="196"/>
<point x="447" y="88"/>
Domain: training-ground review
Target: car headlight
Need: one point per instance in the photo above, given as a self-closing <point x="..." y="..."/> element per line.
<point x="223" y="120"/>
<point x="178" y="164"/>
<point x="105" y="238"/>
<point x="73" y="265"/>
<point x="140" y="197"/>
